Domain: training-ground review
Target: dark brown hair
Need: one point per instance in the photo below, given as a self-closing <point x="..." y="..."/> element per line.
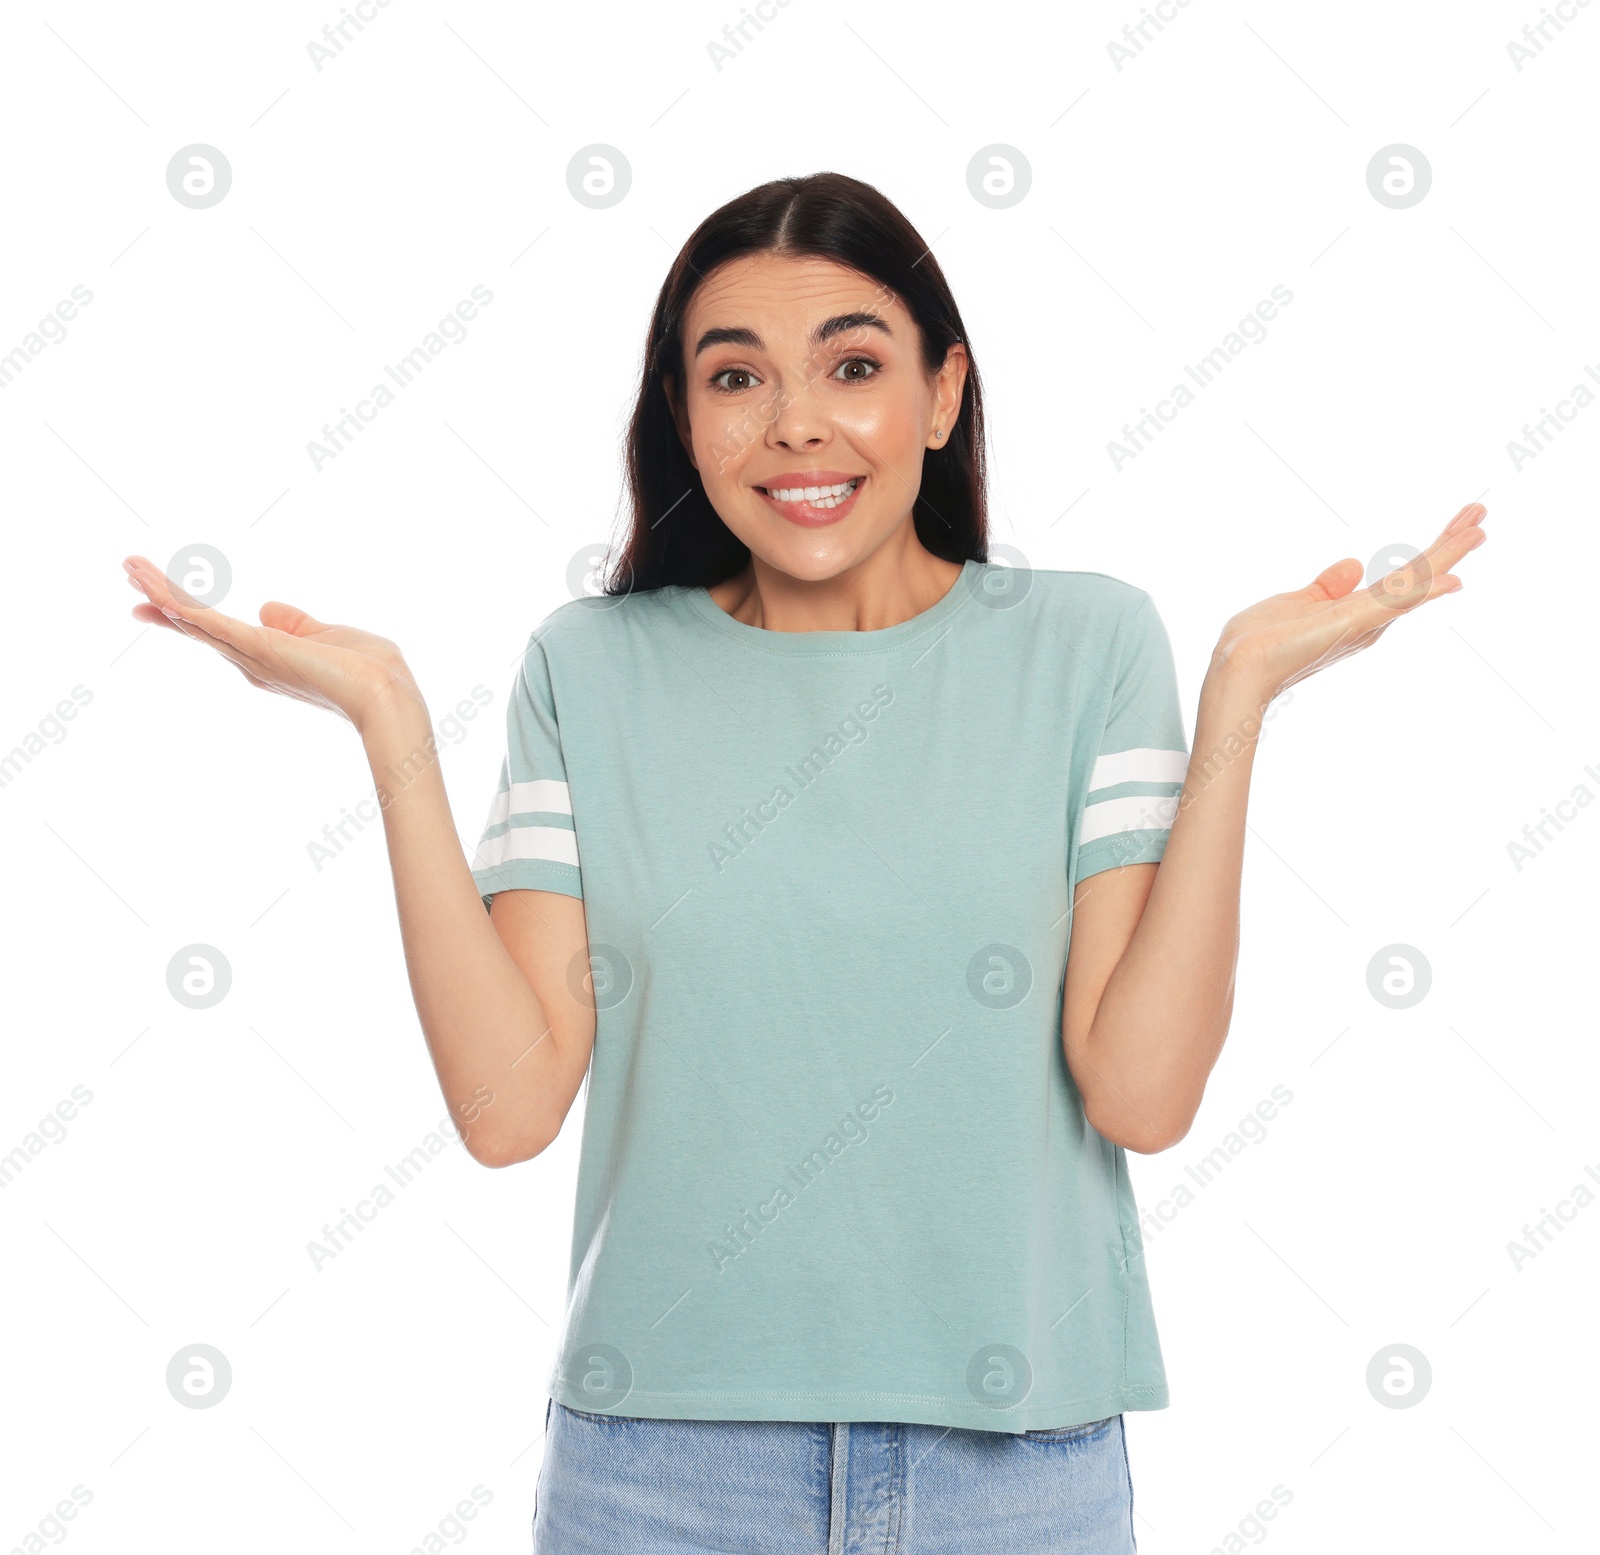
<point x="675" y="534"/>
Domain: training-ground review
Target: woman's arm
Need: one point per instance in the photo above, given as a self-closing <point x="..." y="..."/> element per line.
<point x="505" y="999"/>
<point x="1150" y="967"/>
<point x="1151" y="962"/>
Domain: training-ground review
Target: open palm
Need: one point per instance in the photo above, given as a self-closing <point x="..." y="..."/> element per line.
<point x="1289" y="636"/>
<point x="342" y="668"/>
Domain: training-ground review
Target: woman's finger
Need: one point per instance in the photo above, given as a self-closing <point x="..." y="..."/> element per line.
<point x="1335" y="581"/>
<point x="157" y="586"/>
<point x="1424" y="577"/>
<point x="1470" y="516"/>
<point x="1463" y="533"/>
<point x="256" y="680"/>
<point x="155" y="582"/>
<point x="217" y="629"/>
<point x="153" y="617"/>
<point x="193" y="629"/>
<point x="176" y="603"/>
<point x="1450" y="547"/>
<point x="291" y="619"/>
<point x="1408" y="585"/>
<point x="223" y="630"/>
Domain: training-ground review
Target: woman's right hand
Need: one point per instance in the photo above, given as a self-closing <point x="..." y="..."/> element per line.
<point x="354" y="673"/>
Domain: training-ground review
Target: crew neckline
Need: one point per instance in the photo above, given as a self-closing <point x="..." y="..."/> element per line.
<point x="699" y="600"/>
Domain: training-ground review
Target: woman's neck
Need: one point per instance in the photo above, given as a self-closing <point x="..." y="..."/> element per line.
<point x="888" y="587"/>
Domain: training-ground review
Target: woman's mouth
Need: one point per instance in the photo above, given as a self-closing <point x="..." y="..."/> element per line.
<point x="822" y="504"/>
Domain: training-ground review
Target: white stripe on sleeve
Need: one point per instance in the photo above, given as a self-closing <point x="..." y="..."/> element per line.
<point x="1132" y="812"/>
<point x="525" y="798"/>
<point x="1144" y="765"/>
<point x="557" y="844"/>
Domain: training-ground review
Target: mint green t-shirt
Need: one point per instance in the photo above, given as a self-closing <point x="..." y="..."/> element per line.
<point x="834" y="1166"/>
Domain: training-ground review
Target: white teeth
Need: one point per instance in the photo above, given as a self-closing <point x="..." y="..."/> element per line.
<point x="817" y="496"/>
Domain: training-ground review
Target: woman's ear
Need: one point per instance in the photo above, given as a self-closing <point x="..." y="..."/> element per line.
<point x="680" y="415"/>
<point x="952" y="381"/>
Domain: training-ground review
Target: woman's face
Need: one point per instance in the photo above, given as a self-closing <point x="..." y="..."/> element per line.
<point x="803" y="376"/>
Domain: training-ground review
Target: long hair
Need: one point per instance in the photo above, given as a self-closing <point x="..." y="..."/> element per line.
<point x="675" y="534"/>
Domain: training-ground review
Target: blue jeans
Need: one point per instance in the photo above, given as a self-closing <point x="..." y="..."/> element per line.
<point x="620" y="1485"/>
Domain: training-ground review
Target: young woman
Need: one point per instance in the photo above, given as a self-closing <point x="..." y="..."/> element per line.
<point x="793" y="825"/>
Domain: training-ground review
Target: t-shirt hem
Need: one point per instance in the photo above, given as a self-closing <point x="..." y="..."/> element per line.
<point x="525" y="874"/>
<point x="1144" y="846"/>
<point x="811" y="1406"/>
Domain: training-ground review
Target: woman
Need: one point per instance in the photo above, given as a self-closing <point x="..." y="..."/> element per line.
<point x="794" y="820"/>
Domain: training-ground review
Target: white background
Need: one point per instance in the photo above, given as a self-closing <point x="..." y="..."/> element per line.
<point x="1168" y="198"/>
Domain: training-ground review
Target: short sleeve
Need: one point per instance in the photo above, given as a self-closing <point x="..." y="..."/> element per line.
<point x="1141" y="757"/>
<point x="529" y="841"/>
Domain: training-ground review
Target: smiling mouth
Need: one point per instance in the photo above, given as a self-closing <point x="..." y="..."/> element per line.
<point x="820" y="498"/>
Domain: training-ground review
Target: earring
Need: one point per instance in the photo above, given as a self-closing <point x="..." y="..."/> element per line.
<point x="938" y="434"/>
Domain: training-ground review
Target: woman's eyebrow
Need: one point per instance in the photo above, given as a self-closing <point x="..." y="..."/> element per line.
<point x="826" y="330"/>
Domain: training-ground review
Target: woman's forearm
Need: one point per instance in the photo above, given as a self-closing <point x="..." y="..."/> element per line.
<point x="1165" y="1010"/>
<point x="499" y="1063"/>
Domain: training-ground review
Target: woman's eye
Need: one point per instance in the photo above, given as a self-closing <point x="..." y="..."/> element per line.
<point x="733" y="372"/>
<point x="857" y="361"/>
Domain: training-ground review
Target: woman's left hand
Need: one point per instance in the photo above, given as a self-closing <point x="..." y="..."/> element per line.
<point x="1289" y="636"/>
